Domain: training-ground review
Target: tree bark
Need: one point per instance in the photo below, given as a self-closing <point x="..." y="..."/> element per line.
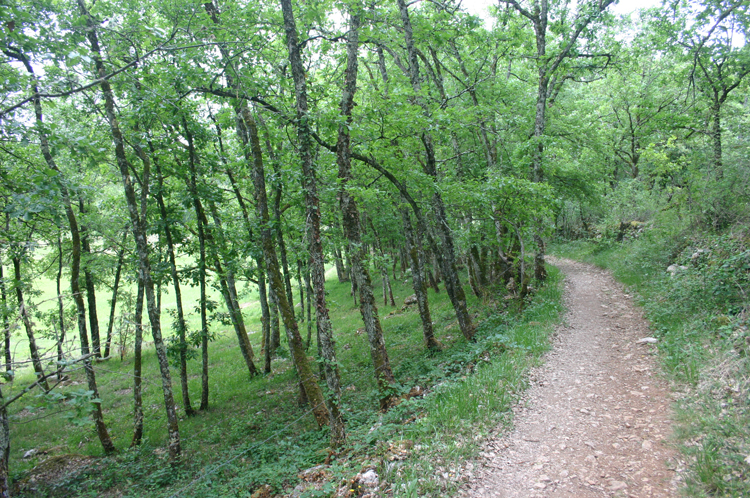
<point x="181" y="325"/>
<point x="229" y="289"/>
<point x="138" y="367"/>
<point x="6" y="321"/>
<point x="351" y="224"/>
<point x="113" y="303"/>
<point x="28" y="327"/>
<point x="88" y="278"/>
<point x="4" y="449"/>
<point x="60" y="309"/>
<point x="138" y="226"/>
<point x="447" y="256"/>
<point x="416" y="259"/>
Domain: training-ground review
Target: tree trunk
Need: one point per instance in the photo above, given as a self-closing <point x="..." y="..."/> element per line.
<point x="26" y="319"/>
<point x="88" y="278"/>
<point x="278" y="192"/>
<point x="263" y="296"/>
<point x="4" y="448"/>
<point x="275" y="340"/>
<point x="6" y="321"/>
<point x="265" y="320"/>
<point x="203" y="296"/>
<point x="138" y="367"/>
<point x="447" y="256"/>
<point x="351" y="224"/>
<point x="387" y="291"/>
<point x="301" y="288"/>
<point x="254" y="157"/>
<point x="138" y="226"/>
<point x="113" y="303"/>
<point x="309" y="290"/>
<point x="229" y="290"/>
<point x="716" y="138"/>
<point x="416" y="258"/>
<point x="340" y="268"/>
<point x="181" y="326"/>
<point x="60" y="310"/>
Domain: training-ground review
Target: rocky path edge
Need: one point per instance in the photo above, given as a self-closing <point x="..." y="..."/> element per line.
<point x="596" y="421"/>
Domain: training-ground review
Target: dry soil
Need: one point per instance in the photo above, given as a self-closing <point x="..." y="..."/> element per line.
<point x="596" y="421"/>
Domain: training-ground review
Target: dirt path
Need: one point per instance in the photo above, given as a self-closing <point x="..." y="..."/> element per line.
<point x="595" y="421"/>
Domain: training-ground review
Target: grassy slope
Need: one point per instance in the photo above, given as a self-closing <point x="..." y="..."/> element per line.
<point x="255" y="433"/>
<point x="700" y="316"/>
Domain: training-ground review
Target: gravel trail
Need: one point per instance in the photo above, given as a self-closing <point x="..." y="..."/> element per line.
<point x="596" y="421"/>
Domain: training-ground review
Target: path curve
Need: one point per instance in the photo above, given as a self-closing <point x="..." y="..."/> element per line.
<point x="596" y="419"/>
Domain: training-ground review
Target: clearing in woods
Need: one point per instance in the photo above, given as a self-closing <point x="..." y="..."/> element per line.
<point x="597" y="418"/>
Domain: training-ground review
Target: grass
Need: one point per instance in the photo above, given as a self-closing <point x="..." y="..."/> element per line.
<point x="700" y="315"/>
<point x="255" y="432"/>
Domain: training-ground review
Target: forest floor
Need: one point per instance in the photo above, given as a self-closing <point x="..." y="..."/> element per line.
<point x="597" y="420"/>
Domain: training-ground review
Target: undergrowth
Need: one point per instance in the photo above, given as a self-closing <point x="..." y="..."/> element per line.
<point x="694" y="287"/>
<point x="255" y="433"/>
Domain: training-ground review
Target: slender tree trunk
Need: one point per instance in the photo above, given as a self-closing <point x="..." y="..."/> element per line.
<point x="229" y="290"/>
<point x="281" y="244"/>
<point x="60" y="309"/>
<point x="340" y="268"/>
<point x="181" y="325"/>
<point x="88" y="278"/>
<point x="26" y="319"/>
<point x="101" y="428"/>
<point x="4" y="449"/>
<point x="138" y="227"/>
<point x="203" y="297"/>
<point x="716" y="138"/>
<point x="275" y="340"/>
<point x="537" y="172"/>
<point x="301" y="288"/>
<point x="447" y="256"/>
<point x="138" y="367"/>
<point x="351" y="224"/>
<point x="387" y="290"/>
<point x="266" y="320"/>
<point x="113" y="303"/>
<point x="263" y="296"/>
<point x="254" y="156"/>
<point x="416" y="258"/>
<point x="308" y="287"/>
<point x="6" y="321"/>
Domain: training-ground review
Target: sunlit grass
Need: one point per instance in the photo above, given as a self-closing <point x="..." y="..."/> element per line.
<point x="256" y="433"/>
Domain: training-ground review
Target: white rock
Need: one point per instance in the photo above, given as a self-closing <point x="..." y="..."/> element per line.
<point x="647" y="340"/>
<point x="369" y="479"/>
<point x="616" y="485"/>
<point x="675" y="269"/>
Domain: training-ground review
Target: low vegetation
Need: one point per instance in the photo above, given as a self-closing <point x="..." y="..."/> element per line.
<point x="256" y="434"/>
